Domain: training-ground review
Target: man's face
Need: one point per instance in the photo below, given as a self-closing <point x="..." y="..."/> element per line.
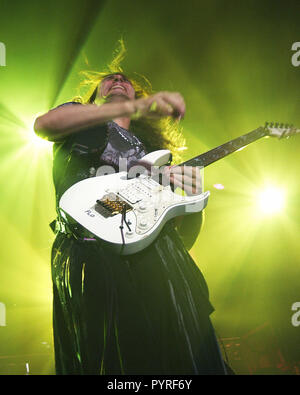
<point x="116" y="87"/>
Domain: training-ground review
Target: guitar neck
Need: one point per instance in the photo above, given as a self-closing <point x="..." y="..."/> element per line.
<point x="225" y="149"/>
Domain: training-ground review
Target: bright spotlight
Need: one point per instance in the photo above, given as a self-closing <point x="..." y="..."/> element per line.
<point x="38" y="142"/>
<point x="271" y="200"/>
<point x="32" y="141"/>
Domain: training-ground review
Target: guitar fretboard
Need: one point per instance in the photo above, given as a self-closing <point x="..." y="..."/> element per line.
<point x="225" y="149"/>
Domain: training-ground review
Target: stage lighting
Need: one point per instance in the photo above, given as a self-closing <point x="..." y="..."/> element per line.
<point x="33" y="142"/>
<point x="271" y="200"/>
<point x="37" y="141"/>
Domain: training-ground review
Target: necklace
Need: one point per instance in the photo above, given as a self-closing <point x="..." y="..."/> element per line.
<point x="131" y="139"/>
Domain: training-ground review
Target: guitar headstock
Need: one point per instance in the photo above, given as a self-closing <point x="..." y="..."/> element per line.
<point x="280" y="130"/>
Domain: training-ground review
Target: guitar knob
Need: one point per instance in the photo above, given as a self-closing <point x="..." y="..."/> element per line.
<point x="143" y="224"/>
<point x="129" y="233"/>
<point x="142" y="207"/>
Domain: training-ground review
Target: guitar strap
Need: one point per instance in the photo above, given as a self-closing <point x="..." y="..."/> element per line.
<point x="71" y="228"/>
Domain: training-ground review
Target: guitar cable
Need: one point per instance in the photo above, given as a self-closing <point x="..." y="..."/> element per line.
<point x="123" y="219"/>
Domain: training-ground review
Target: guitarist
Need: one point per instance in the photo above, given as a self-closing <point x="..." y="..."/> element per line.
<point x="146" y="313"/>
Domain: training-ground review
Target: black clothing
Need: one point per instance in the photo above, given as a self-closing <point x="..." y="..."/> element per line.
<point x="146" y="313"/>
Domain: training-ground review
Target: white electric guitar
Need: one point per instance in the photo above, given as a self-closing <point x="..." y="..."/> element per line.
<point x="127" y="214"/>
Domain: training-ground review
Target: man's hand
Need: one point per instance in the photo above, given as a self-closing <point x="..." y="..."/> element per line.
<point x="159" y="105"/>
<point x="187" y="178"/>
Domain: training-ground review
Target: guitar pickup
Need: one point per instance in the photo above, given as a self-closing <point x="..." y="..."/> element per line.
<point x="131" y="197"/>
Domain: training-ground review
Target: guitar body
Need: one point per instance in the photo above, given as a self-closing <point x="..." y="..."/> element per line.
<point x="127" y="214"/>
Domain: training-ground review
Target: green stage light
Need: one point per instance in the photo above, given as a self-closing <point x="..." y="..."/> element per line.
<point x="37" y="142"/>
<point x="34" y="140"/>
<point x="32" y="144"/>
<point x="271" y="200"/>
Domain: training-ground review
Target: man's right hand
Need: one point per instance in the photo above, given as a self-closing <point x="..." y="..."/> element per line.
<point x="159" y="105"/>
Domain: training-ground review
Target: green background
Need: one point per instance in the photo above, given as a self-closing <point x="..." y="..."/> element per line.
<point x="231" y="61"/>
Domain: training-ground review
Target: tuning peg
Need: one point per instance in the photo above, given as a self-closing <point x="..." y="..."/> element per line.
<point x="266" y="124"/>
<point x="281" y="126"/>
<point x="276" y="125"/>
<point x="271" y="124"/>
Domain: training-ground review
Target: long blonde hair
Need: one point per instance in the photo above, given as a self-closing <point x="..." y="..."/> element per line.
<point x="163" y="133"/>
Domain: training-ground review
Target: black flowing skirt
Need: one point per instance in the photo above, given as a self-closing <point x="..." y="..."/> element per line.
<point x="142" y="314"/>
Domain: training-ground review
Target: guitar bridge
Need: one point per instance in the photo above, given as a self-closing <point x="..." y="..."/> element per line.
<point x="110" y="205"/>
